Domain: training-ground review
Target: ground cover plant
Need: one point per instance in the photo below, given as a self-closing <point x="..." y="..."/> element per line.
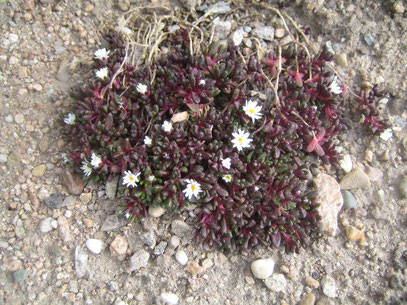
<point x="236" y="135"/>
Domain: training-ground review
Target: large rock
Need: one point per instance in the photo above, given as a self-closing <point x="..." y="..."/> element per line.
<point x="139" y="260"/>
<point x="355" y="179"/>
<point x="330" y="201"/>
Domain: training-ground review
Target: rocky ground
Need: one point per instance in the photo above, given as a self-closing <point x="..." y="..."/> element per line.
<point x="63" y="246"/>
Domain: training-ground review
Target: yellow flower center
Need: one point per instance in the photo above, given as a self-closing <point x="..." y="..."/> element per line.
<point x="240" y="140"/>
<point x="131" y="178"/>
<point x="193" y="187"/>
<point x="251" y="110"/>
<point x="227" y="177"/>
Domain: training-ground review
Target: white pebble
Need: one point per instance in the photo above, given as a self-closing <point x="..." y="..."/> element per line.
<point x="169" y="298"/>
<point x="48" y="224"/>
<point x="68" y="214"/>
<point x="175" y="241"/>
<point x="263" y="268"/>
<point x="346" y="163"/>
<point x="329" y="286"/>
<point x="95" y="245"/>
<point x="181" y="257"/>
<point x="386" y="134"/>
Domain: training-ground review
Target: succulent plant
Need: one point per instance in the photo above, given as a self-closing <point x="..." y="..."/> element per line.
<point x="205" y="128"/>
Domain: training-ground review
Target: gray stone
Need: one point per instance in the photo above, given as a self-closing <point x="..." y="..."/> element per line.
<point x="55" y="201"/>
<point x="264" y="32"/>
<point x="220" y="9"/>
<point x="237" y="36"/>
<point x="262" y="268"/>
<point x="180" y="228"/>
<point x="111" y="188"/>
<point x="403" y="187"/>
<point x="355" y="179"/>
<point x="160" y="248"/>
<point x="20" y="275"/>
<point x="329" y="201"/>
<point x="3" y="158"/>
<point x="349" y="201"/>
<point x="81" y="262"/>
<point x="3" y="244"/>
<point x="221" y="28"/>
<point x="369" y="39"/>
<point x="149" y="239"/>
<point x="63" y="229"/>
<point x="112" y="223"/>
<point x="328" y="286"/>
<point x="276" y="282"/>
<point x="139" y="260"/>
<point x="19" y="118"/>
<point x="48" y="224"/>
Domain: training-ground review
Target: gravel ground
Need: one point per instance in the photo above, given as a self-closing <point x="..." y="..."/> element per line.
<point x="59" y="248"/>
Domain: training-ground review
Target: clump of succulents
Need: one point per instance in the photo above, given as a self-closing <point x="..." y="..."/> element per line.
<point x="208" y="129"/>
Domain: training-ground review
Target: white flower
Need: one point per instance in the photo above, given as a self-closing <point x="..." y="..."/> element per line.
<point x="141" y="88"/>
<point x="193" y="189"/>
<point x="202" y="82"/>
<point x="241" y="139"/>
<point x="87" y="170"/>
<point x="227" y="178"/>
<point x="334" y="87"/>
<point x="64" y="158"/>
<point x="101" y="54"/>
<point x="226" y="162"/>
<point x="151" y="178"/>
<point x="102" y="73"/>
<point x="147" y="140"/>
<point x="130" y="179"/>
<point x="95" y="160"/>
<point x="70" y="119"/>
<point x="252" y="110"/>
<point x="167" y="126"/>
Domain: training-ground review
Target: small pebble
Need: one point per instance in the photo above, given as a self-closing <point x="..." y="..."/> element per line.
<point x="3" y="158"/>
<point x="37" y="87"/>
<point x="160" y="248"/>
<point x="307" y="299"/>
<point x="397" y="7"/>
<point x="264" y="32"/>
<point x="19" y="118"/>
<point x="387" y="134"/>
<point x="95" y="245"/>
<point x="39" y="170"/>
<point x="181" y="257"/>
<point x="139" y="260"/>
<point x="403" y="187"/>
<point x="354" y="234"/>
<point x="349" y="201"/>
<point x="20" y="275"/>
<point x="68" y="213"/>
<point x="85" y="198"/>
<point x="276" y="282"/>
<point x="355" y="179"/>
<point x="119" y="245"/>
<point x="279" y="33"/>
<point x="237" y="36"/>
<point x="194" y="268"/>
<point x="175" y="241"/>
<point x="342" y="60"/>
<point x="169" y="298"/>
<point x="149" y="239"/>
<point x="311" y="282"/>
<point x="48" y="224"/>
<point x="262" y="268"/>
<point x="329" y="286"/>
<point x="346" y="163"/>
<point x="81" y="261"/>
<point x="369" y="39"/>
